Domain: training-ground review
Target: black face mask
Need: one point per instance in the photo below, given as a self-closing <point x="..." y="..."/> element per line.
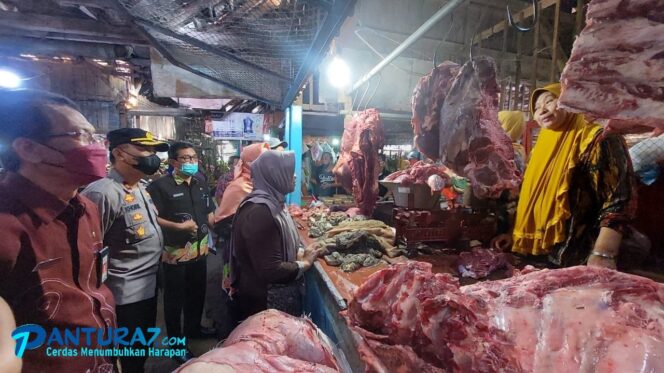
<point x="147" y="165"/>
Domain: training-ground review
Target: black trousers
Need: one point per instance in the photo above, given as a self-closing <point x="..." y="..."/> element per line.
<point x="184" y="290"/>
<point x="142" y="315"/>
<point x="216" y="299"/>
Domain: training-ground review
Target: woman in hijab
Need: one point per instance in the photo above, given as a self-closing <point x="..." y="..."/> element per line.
<point x="513" y="123"/>
<point x="266" y="268"/>
<point x="241" y="186"/>
<point x="578" y="194"/>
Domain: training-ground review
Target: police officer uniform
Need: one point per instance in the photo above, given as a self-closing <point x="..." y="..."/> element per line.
<point x="135" y="241"/>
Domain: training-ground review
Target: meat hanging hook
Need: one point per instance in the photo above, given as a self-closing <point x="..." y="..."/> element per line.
<point x="477" y="31"/>
<point x="510" y="18"/>
<point x="380" y="79"/>
<point x="435" y="53"/>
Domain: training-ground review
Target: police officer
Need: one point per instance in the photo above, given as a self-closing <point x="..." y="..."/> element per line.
<point x="131" y="230"/>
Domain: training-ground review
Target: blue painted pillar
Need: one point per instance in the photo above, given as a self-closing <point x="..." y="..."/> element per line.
<point x="294" y="138"/>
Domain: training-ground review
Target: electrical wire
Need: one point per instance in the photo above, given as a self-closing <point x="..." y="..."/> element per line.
<point x="447" y="34"/>
<point x="380" y="79"/>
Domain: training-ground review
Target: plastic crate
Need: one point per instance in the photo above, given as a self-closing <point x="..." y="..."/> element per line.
<point x="443" y="226"/>
<point x="426" y="235"/>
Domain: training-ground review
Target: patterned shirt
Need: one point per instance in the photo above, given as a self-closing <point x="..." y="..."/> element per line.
<point x="179" y="201"/>
<point x="602" y="194"/>
<point x="222" y="184"/>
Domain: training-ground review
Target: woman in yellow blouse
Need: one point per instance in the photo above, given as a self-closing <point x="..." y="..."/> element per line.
<point x="578" y="191"/>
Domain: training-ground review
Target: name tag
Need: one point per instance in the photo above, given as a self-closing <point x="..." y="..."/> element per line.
<point x="102" y="266"/>
<point x="178" y="195"/>
<point x="133" y="207"/>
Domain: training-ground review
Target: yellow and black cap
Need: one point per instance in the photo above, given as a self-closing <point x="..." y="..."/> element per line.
<point x="134" y="136"/>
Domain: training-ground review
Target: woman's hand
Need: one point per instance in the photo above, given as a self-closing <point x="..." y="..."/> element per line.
<point x="502" y="242"/>
<point x="310" y="254"/>
<point x="600" y="261"/>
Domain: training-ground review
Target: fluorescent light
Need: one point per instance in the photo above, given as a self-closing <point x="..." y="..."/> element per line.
<point x="9" y="79"/>
<point x="266" y="137"/>
<point x="335" y="141"/>
<point x="338" y="73"/>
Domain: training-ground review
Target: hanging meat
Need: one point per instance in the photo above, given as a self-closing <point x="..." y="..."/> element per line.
<point x="472" y="142"/>
<point x="428" y="98"/>
<point x="616" y="70"/>
<point x="358" y="167"/>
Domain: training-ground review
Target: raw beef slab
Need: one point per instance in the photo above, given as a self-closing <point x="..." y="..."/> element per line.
<point x="358" y="166"/>
<point x="419" y="173"/>
<point x="270" y="341"/>
<point x="472" y="142"/>
<point x="579" y="319"/>
<point x="616" y="70"/>
<point x="407" y="311"/>
<point x="480" y="263"/>
<point x="428" y="98"/>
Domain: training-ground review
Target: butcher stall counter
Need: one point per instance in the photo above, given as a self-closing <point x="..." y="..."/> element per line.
<point x="329" y="289"/>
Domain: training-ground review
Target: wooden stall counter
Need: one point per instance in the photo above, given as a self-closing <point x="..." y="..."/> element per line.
<point x="345" y="283"/>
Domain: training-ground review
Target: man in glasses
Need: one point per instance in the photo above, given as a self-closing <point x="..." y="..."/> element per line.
<point x="51" y="250"/>
<point x="131" y="231"/>
<point x="185" y="214"/>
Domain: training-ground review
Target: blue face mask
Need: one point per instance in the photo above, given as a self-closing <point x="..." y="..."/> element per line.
<point x="189" y="169"/>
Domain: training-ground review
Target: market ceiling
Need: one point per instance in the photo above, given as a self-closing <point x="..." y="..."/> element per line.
<point x="262" y="49"/>
<point x="257" y="49"/>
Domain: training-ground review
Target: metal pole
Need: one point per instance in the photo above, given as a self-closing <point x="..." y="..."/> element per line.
<point x="426" y="26"/>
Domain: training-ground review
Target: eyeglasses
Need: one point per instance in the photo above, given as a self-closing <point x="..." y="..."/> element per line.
<point x="84" y="137"/>
<point x="188" y="158"/>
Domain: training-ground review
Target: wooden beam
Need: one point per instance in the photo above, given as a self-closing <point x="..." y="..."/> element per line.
<point x="554" y="48"/>
<point x="63" y="25"/>
<point x="534" y="69"/>
<point x="10" y="32"/>
<point x="527" y="12"/>
<point x="517" y="75"/>
<point x="99" y="4"/>
<point x="561" y="54"/>
<point x="14" y="46"/>
<point x="580" y="11"/>
<point x="109" y="7"/>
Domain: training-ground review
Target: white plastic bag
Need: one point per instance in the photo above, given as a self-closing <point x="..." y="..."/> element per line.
<point x="316" y="151"/>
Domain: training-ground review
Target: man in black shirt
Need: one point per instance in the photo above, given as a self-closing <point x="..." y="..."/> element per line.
<point x="185" y="215"/>
<point x="323" y="179"/>
<point x="382" y="191"/>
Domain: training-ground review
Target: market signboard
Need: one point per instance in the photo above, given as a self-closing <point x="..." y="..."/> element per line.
<point x="237" y="126"/>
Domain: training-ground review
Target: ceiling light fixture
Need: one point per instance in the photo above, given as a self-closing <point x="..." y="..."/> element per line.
<point x="338" y="73"/>
<point x="9" y="79"/>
